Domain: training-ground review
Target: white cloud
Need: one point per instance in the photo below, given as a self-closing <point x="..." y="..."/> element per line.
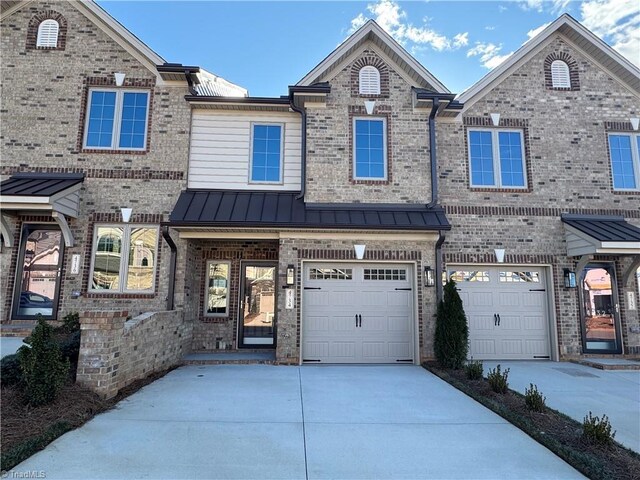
<point x="553" y="6"/>
<point x="489" y="54"/>
<point x="389" y="15"/>
<point x="536" y="31"/>
<point x="490" y="28"/>
<point x="617" y="22"/>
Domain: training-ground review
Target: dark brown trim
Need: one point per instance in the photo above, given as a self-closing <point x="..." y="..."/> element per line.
<point x="106" y="173"/>
<point x="573" y="71"/>
<point x="34" y="23"/>
<point x="380" y="111"/>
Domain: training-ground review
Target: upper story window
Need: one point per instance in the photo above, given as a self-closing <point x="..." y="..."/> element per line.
<point x="496" y="158"/>
<point x="624" y="150"/>
<point x="560" y="74"/>
<point x="370" y="149"/>
<point x="117" y="119"/>
<point x="266" y="153"/>
<point x="48" y="34"/>
<point x="369" y="81"/>
<point x="124" y="259"/>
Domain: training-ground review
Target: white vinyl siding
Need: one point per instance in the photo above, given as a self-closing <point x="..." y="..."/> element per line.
<point x="560" y="74"/>
<point x="220" y="152"/>
<point x="48" y="34"/>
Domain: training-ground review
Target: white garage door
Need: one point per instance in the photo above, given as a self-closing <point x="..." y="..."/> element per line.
<point x="357" y="313"/>
<point x="506" y="309"/>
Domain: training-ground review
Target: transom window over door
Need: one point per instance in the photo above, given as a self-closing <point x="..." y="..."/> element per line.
<point x="266" y="154"/>
<point x="117" y="120"/>
<point x="370" y="149"/>
<point x="496" y="158"/>
<point x="624" y="150"/>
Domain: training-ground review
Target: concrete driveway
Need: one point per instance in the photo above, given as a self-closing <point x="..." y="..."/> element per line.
<point x="316" y="422"/>
<point x="576" y="389"/>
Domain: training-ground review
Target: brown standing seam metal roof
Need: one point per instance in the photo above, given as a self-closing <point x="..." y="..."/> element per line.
<point x="283" y="210"/>
<point x="604" y="228"/>
<point x="39" y="184"/>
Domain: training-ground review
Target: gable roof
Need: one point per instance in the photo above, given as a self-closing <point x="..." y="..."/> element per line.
<point x="578" y="35"/>
<point x="371" y="31"/>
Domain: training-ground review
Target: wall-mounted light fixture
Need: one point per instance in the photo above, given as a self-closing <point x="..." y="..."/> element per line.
<point x="429" y="276"/>
<point x="499" y="254"/>
<point x="126" y="214"/>
<point x="359" y="249"/>
<point x="635" y="123"/>
<point x="119" y="76"/>
<point x="569" y="279"/>
<point x="495" y="119"/>
<point x="291" y="274"/>
<point x="369" y="105"/>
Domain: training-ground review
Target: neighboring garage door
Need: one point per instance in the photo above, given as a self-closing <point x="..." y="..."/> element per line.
<point x="358" y="313"/>
<point x="506" y="309"/>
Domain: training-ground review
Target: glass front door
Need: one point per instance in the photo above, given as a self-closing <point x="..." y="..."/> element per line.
<point x="599" y="304"/>
<point x="258" y="303"/>
<point x="38" y="273"/>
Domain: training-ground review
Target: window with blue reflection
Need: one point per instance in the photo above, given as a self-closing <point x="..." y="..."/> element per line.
<point x="622" y="160"/>
<point x="496" y="158"/>
<point x="370" y="161"/>
<point x="133" y="125"/>
<point x="266" y="153"/>
<point x="511" y="165"/>
<point x="102" y="110"/>
<point x="481" y="155"/>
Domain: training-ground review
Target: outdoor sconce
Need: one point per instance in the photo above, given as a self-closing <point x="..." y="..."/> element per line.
<point x="369" y="105"/>
<point x="359" y="249"/>
<point x="291" y="274"/>
<point x="495" y="119"/>
<point x="499" y="254"/>
<point x="569" y="279"/>
<point x="119" y="78"/>
<point x="635" y="123"/>
<point x="126" y="214"/>
<point x="429" y="277"/>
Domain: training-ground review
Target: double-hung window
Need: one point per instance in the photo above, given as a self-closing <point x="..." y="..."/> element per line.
<point x="124" y="258"/>
<point x="496" y="158"/>
<point x="624" y="149"/>
<point x="370" y="149"/>
<point x="266" y="154"/>
<point x="117" y="119"/>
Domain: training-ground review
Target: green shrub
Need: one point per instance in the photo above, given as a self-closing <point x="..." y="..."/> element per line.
<point x="44" y="370"/>
<point x="70" y="346"/>
<point x="474" y="370"/>
<point x="452" y="332"/>
<point x="70" y="323"/>
<point x="498" y="380"/>
<point x="534" y="399"/>
<point x="597" y="430"/>
<point x="10" y="372"/>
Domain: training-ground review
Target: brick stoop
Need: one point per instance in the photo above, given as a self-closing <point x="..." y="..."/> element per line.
<point x="238" y="357"/>
<point x="609" y="363"/>
<point x="22" y="329"/>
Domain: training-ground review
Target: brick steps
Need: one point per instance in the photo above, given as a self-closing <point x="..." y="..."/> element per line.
<point x="239" y="357"/>
<point x="609" y="363"/>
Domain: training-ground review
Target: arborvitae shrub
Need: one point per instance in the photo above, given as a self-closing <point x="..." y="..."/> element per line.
<point x="452" y="332"/>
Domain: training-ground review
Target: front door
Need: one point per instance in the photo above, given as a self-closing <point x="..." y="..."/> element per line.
<point x="599" y="309"/>
<point x="258" y="304"/>
<point x="38" y="273"/>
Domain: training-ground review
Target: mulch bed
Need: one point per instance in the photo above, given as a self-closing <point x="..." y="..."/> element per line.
<point x="24" y="430"/>
<point x="556" y="431"/>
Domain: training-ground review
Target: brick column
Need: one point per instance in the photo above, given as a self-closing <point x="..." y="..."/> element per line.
<point x="100" y="342"/>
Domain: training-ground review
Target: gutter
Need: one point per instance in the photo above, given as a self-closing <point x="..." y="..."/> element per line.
<point x="192" y="89"/>
<point x="433" y="152"/>
<point x="439" y="289"/>
<point x="172" y="266"/>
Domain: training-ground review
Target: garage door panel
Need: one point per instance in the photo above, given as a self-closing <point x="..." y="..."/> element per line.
<point x="343" y="350"/>
<point x="511" y="346"/>
<point x="317" y="324"/>
<point x="373" y="299"/>
<point x="483" y="346"/>
<point x="509" y="299"/>
<point x="373" y="323"/>
<point x="316" y="298"/>
<point x="316" y="349"/>
<point x="534" y="323"/>
<point x="374" y="350"/>
<point x="535" y="347"/>
<point x="399" y="298"/>
<point x="399" y="325"/>
<point x="533" y="299"/>
<point x="342" y="324"/>
<point x="400" y="350"/>
<point x="510" y="322"/>
<point x="342" y="298"/>
<point x="482" y="322"/>
<point x="481" y="299"/>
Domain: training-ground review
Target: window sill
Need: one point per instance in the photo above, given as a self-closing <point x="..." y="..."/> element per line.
<point x="626" y="192"/>
<point x="500" y="189"/>
<point x="220" y="319"/>
<point x="119" y="295"/>
<point x="115" y="151"/>
<point x="362" y="181"/>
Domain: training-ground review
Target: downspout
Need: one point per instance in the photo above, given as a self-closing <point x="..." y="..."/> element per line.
<point x="439" y="243"/>
<point x="192" y="90"/>
<point x="172" y="266"/>
<point x="432" y="152"/>
<point x="303" y="146"/>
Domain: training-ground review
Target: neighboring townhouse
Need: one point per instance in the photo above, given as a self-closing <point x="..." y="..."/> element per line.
<point x="311" y="220"/>
<point x="95" y="141"/>
<point x="540" y="177"/>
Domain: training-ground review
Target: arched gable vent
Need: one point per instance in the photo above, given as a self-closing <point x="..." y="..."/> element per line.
<point x="560" y="74"/>
<point x="369" y="81"/>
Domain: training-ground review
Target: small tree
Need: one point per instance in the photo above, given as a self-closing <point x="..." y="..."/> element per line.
<point x="452" y="332"/>
<point x="44" y="370"/>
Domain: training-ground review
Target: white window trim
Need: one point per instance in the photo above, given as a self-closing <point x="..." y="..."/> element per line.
<point x="384" y="148"/>
<point x="40" y="41"/>
<point x="635" y="159"/>
<point x="115" y="139"/>
<point x="206" y="290"/>
<point x="556" y="80"/>
<point x="496" y="158"/>
<point x="124" y="258"/>
<point x="281" y="168"/>
<point x="376" y="85"/>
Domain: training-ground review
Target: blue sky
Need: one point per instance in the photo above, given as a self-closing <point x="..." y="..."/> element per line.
<point x="266" y="46"/>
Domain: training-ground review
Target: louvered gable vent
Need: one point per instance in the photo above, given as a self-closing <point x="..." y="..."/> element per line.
<point x="369" y="81"/>
<point x="560" y="74"/>
<point x="48" y="34"/>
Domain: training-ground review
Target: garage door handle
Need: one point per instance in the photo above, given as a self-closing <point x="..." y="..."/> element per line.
<point x="356" y="320"/>
<point x="499" y="319"/>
